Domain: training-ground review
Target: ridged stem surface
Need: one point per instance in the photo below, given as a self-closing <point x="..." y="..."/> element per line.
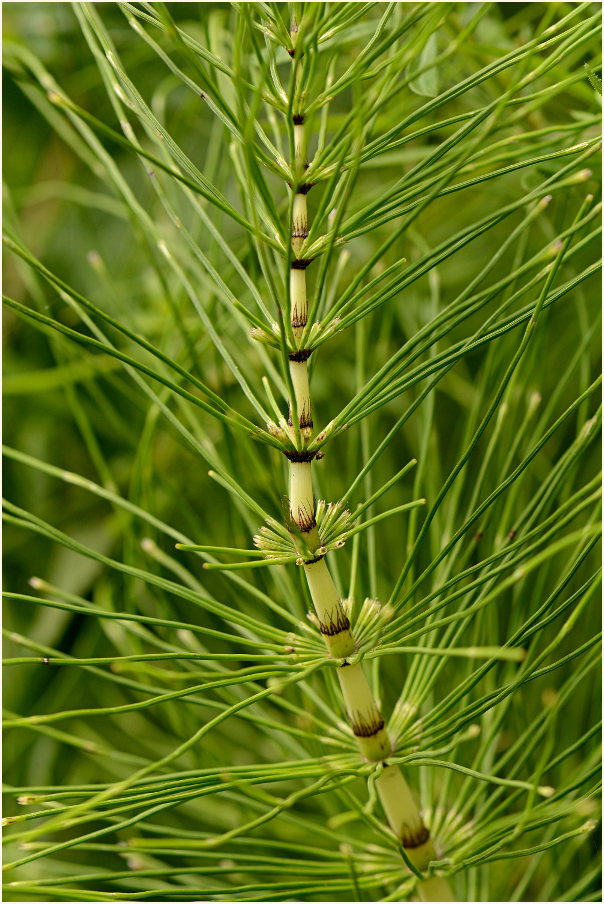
<point x="367" y="722"/>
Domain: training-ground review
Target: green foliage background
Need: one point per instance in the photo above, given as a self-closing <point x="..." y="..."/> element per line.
<point x="80" y="411"/>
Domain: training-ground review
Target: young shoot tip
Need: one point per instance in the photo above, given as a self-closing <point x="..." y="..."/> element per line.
<point x="588" y="426"/>
<point x="534" y="400"/>
<point x="555" y="248"/>
<point x="546" y="790"/>
<point x="148" y="545"/>
<point x="582" y="176"/>
<point x="545" y="202"/>
<point x="36" y="583"/>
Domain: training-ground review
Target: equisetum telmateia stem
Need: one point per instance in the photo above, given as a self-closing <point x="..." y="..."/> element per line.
<point x="366" y="719"/>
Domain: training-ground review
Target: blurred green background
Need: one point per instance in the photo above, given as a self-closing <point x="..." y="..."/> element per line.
<point x="81" y="412"/>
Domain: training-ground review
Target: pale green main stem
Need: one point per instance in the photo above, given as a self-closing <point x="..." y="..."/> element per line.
<point x="366" y="719"/>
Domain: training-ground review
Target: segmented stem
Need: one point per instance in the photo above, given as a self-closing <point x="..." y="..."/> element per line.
<point x="366" y="719"/>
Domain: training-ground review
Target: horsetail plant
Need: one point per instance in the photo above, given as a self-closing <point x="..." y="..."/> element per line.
<point x="366" y="719"/>
<point x="267" y="736"/>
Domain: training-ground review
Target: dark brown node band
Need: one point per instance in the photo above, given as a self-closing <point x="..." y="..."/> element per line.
<point x="367" y="729"/>
<point x="414" y="840"/>
<point x="299" y="319"/>
<point x="303" y="517"/>
<point x="300" y="229"/>
<point x="303" y="354"/>
<point x="299" y="457"/>
<point x="301" y="263"/>
<point x="306" y="523"/>
<point x="298" y="119"/>
<point x="304" y="187"/>
<point x="304" y="421"/>
<point x="304" y="415"/>
<point x="336" y="625"/>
